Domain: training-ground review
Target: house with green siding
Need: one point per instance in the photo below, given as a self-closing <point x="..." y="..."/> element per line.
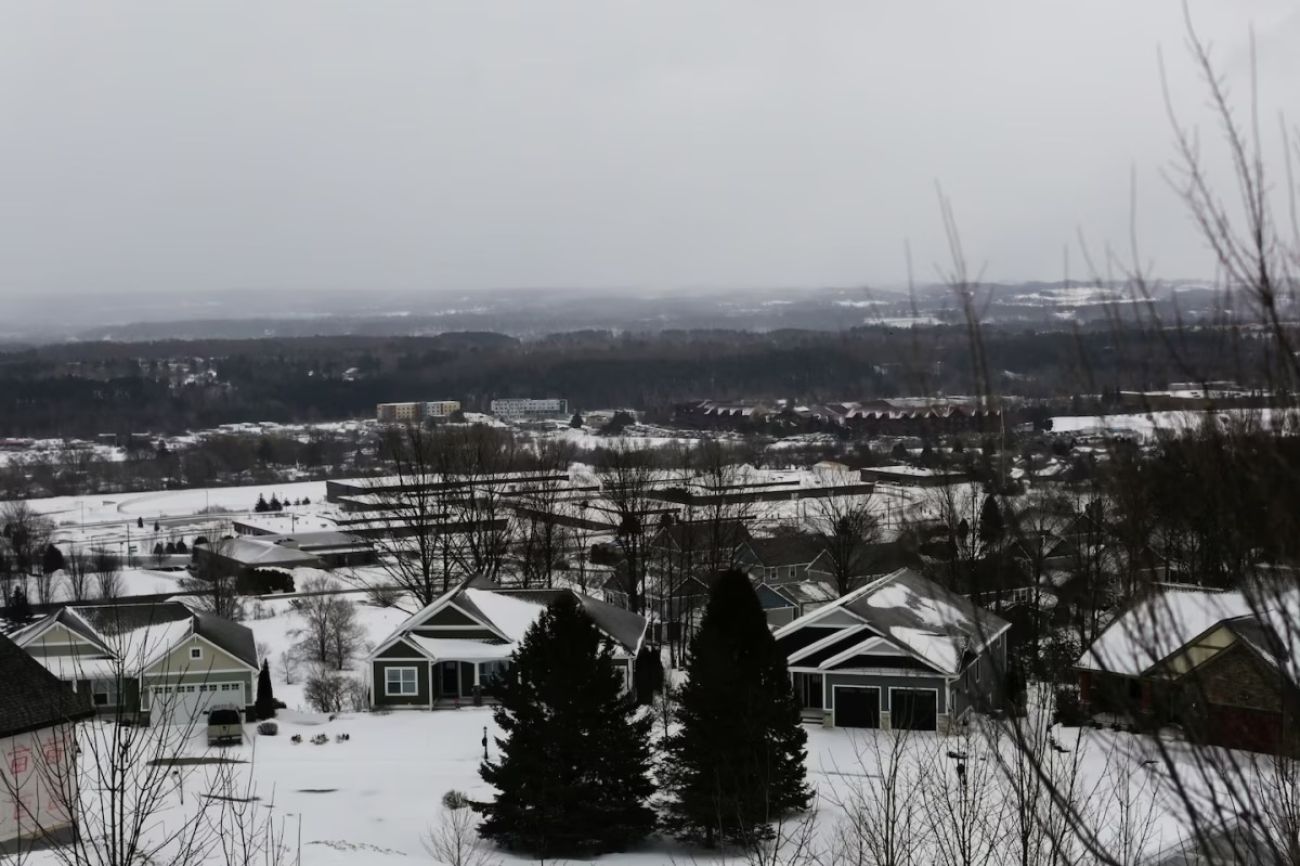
<point x="147" y="662"/>
<point x="448" y="653"/>
<point x="898" y="652"/>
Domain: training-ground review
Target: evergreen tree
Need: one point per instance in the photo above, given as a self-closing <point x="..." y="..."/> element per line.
<point x="576" y="421"/>
<point x="180" y="546"/>
<point x="157" y="527"/>
<point x="647" y="674"/>
<point x="737" y="763"/>
<point x="265" y="706"/>
<point x="990" y="526"/>
<point x="139" y="521"/>
<point x="261" y="504"/>
<point x="52" y="561"/>
<point x="20" y="609"/>
<point x="573" y="778"/>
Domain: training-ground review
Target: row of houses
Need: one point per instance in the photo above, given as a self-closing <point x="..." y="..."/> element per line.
<point x="873" y="418"/>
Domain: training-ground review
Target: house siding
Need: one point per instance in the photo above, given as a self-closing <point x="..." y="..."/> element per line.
<point x="50" y="755"/>
<point x="128" y="696"/>
<point x="1237" y="679"/>
<point x="980" y="687"/>
<point x="419" y="699"/>
<point x="178" y="661"/>
<point x="884" y="683"/>
<point x="450" y="616"/>
<point x="400" y="650"/>
<point x="476" y="633"/>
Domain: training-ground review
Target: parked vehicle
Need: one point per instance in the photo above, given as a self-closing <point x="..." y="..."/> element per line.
<point x="225" y="726"/>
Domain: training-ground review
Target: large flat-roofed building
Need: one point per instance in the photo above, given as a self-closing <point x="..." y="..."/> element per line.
<point x="414" y="413"/>
<point x="527" y="407"/>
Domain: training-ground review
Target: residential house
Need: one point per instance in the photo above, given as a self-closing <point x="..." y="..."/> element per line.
<point x="1223" y="664"/>
<point x="448" y="653"/>
<point x="37" y="751"/>
<point x="899" y="652"/>
<point x="324" y="549"/>
<point x="154" y="662"/>
<point x="784" y="558"/>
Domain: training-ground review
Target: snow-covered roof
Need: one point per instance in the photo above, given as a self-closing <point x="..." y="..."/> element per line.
<point x="462" y="650"/>
<point x="934" y="625"/>
<point x="1158" y="626"/>
<point x="1265" y="614"/>
<point x="251" y="551"/>
<point x="509" y="614"/>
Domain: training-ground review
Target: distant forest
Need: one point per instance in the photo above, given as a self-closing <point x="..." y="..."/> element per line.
<point x="84" y="389"/>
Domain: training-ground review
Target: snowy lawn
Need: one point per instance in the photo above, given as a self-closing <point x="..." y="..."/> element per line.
<point x="373" y="797"/>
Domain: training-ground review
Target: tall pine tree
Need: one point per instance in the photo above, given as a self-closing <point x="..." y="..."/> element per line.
<point x="737" y="762"/>
<point x="265" y="705"/>
<point x="573" y="778"/>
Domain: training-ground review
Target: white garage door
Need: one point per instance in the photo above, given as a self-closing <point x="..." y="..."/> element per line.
<point x="181" y="705"/>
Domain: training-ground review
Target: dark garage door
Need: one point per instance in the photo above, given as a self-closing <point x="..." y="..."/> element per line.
<point x="857" y="708"/>
<point x="913" y="710"/>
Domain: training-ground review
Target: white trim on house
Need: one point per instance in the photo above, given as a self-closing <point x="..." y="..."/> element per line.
<point x="402" y="693"/>
<point x="871" y="644"/>
<point x="835" y="708"/>
<point x="821" y="643"/>
<point x="194" y="635"/>
<point x="906" y="673"/>
<point x="831" y="606"/>
<point x="937" y="714"/>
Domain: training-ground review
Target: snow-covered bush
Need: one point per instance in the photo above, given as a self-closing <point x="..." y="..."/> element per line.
<point x="268" y="729"/>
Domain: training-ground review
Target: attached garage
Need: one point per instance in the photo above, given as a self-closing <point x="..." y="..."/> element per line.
<point x="857" y="707"/>
<point x="914" y="709"/>
<point x="1243" y="728"/>
<point x="189" y="704"/>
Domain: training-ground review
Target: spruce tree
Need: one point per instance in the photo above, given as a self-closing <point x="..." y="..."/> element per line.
<point x="990" y="525"/>
<point x="265" y="706"/>
<point x="52" y="561"/>
<point x="573" y="777"/>
<point x="737" y="762"/>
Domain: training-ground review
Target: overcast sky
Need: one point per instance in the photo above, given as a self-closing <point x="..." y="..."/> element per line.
<point x="201" y="146"/>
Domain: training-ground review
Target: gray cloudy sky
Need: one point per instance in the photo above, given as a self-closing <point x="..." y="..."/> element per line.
<point x="212" y="145"/>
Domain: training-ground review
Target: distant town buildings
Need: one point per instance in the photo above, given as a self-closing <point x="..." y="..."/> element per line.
<point x="527" y="407"/>
<point x="414" y="413"/>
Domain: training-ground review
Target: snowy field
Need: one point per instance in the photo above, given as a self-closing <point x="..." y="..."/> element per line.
<point x="373" y="798"/>
<point x="1148" y="425"/>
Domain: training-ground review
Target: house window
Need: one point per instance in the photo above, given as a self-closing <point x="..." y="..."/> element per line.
<point x="103" y="693"/>
<point x="196" y="652"/>
<point x="400" y="682"/>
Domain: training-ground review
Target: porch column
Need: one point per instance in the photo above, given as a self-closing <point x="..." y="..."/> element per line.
<point x="477" y="672"/>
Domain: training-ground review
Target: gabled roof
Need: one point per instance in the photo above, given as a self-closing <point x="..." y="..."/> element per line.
<point x="790" y="549"/>
<point x="32" y="697"/>
<point x="510" y="613"/>
<point x="258" y="551"/>
<point x="140" y="633"/>
<point x="1158" y="625"/>
<point x="700" y="535"/>
<point x="929" y="623"/>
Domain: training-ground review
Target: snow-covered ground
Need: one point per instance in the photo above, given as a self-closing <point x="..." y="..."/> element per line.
<point x="1147" y="425"/>
<point x="371" y="799"/>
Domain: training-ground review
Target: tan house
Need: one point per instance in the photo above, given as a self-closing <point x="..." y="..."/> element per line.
<point x="147" y="662"/>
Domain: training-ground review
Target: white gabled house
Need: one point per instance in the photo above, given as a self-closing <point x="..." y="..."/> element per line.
<point x="146" y="661"/>
<point x="447" y="653"/>
<point x="899" y="652"/>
